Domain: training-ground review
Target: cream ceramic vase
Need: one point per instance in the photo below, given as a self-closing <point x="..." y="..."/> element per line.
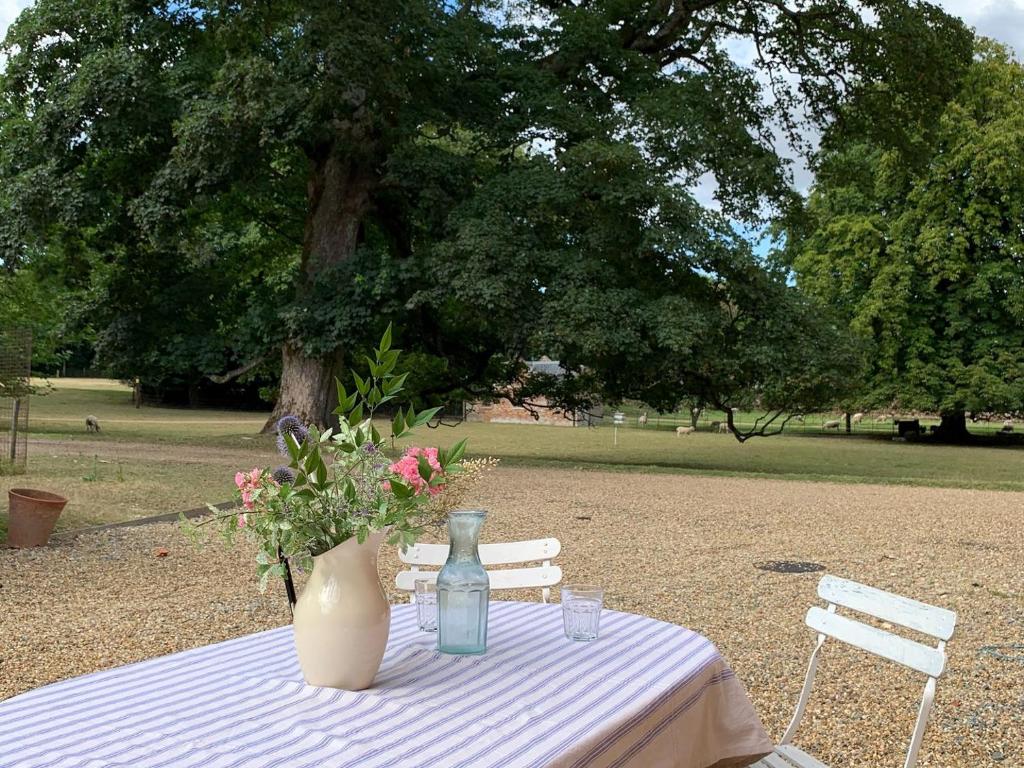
<point x="342" y="618"/>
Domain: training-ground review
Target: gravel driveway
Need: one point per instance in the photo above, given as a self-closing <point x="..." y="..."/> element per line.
<point x="679" y="548"/>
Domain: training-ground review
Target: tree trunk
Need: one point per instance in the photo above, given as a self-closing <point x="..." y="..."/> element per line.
<point x="339" y="197"/>
<point x="849" y="424"/>
<point x="953" y="427"/>
<point x="307" y="388"/>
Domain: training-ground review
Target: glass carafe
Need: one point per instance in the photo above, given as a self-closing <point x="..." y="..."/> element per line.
<point x="463" y="589"/>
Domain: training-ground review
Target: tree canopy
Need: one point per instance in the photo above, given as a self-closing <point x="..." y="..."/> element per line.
<point x="926" y="260"/>
<point x="261" y="187"/>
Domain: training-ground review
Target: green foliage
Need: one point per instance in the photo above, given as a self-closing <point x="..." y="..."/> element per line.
<point x="343" y="484"/>
<point x="506" y="178"/>
<point x="924" y="260"/>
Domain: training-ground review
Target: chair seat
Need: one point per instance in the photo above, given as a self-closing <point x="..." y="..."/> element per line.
<point x="788" y="756"/>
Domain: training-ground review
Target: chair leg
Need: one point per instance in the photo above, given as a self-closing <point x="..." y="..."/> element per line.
<point x="805" y="694"/>
<point x="922" y="723"/>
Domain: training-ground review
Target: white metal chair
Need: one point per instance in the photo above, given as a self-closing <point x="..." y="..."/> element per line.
<point x="931" y="661"/>
<point x="541" y="551"/>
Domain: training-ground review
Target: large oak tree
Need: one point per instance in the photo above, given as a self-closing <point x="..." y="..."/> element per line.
<point x="502" y="178"/>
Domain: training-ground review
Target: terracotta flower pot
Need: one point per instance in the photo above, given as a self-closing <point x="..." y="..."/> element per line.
<point x="32" y="516"/>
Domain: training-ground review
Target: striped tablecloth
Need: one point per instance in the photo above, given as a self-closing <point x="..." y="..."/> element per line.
<point x="645" y="694"/>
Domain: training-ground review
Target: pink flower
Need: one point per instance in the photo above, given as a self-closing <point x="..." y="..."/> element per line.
<point x="242" y="520"/>
<point x="408" y="468"/>
<point x="248" y="482"/>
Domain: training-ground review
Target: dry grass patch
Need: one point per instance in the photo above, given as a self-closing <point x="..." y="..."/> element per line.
<point x="679" y="548"/>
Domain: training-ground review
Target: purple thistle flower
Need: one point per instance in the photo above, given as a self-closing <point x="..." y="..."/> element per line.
<point x="370" y="448"/>
<point x="284" y="475"/>
<point x="289" y="425"/>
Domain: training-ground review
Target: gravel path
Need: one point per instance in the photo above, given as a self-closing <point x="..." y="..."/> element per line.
<point x="679" y="548"/>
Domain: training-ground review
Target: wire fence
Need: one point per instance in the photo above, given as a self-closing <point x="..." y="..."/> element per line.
<point x="15" y="385"/>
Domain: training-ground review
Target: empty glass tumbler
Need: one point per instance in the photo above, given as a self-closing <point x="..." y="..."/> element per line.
<point x="581" y="611"/>
<point x="426" y="605"/>
<point x="463" y="589"/>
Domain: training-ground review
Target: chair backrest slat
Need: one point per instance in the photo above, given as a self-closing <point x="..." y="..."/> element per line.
<point x="542" y="551"/>
<point x="909" y="653"/>
<point x="505" y="578"/>
<point x="928" y="619"/>
<point x="536" y="550"/>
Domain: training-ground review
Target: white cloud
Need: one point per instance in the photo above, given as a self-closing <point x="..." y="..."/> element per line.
<point x="9" y="10"/>
<point x="1002" y="20"/>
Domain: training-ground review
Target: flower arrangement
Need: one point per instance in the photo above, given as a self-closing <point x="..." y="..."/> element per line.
<point x="340" y="483"/>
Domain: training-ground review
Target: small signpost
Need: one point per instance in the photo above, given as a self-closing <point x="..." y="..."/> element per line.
<point x="617" y="418"/>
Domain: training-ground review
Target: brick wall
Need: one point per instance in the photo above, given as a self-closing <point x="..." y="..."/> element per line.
<point x="503" y="412"/>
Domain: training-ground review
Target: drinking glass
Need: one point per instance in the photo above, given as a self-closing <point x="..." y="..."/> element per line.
<point x="581" y="611"/>
<point x="426" y="604"/>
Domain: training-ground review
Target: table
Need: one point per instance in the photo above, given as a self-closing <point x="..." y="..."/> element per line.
<point x="646" y="693"/>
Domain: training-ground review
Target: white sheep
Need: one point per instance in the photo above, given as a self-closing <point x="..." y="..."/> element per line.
<point x="1008" y="425"/>
<point x="882" y="417"/>
<point x="684" y="430"/>
<point x="831" y="424"/>
<point x="723" y="427"/>
<point x="857" y="418"/>
<point x="92" y="424"/>
<point x="642" y="419"/>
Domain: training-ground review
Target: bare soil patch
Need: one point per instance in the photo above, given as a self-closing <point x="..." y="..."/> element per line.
<point x="679" y="548"/>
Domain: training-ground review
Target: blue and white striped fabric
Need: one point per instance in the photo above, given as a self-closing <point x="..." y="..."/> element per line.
<point x="645" y="694"/>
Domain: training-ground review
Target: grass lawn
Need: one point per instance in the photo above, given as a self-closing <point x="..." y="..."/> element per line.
<point x="155" y="460"/>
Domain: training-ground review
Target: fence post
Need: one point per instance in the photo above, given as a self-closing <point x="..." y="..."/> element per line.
<point x="14" y="430"/>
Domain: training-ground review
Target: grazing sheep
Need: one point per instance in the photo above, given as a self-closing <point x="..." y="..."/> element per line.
<point x="882" y="417"/>
<point x="799" y="417"/>
<point x="684" y="430"/>
<point x="92" y="424"/>
<point x="831" y="424"/>
<point x="642" y="419"/>
<point x="1007" y="426"/>
<point x="857" y="418"/>
<point x="723" y="428"/>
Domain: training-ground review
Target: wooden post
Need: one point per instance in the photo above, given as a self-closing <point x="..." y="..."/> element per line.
<point x="14" y="430"/>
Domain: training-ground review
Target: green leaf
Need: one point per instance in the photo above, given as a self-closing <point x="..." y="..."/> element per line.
<point x="385" y="341"/>
<point x="423" y="467"/>
<point x="425" y="416"/>
<point x="356" y="415"/>
<point x="398" y="424"/>
<point x="294" y="448"/>
<point x="394" y="385"/>
<point x="388" y="362"/>
<point x="361" y="384"/>
<point x="457" y="452"/>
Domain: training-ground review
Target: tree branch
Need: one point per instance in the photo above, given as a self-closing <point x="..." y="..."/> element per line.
<point x="224" y="378"/>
